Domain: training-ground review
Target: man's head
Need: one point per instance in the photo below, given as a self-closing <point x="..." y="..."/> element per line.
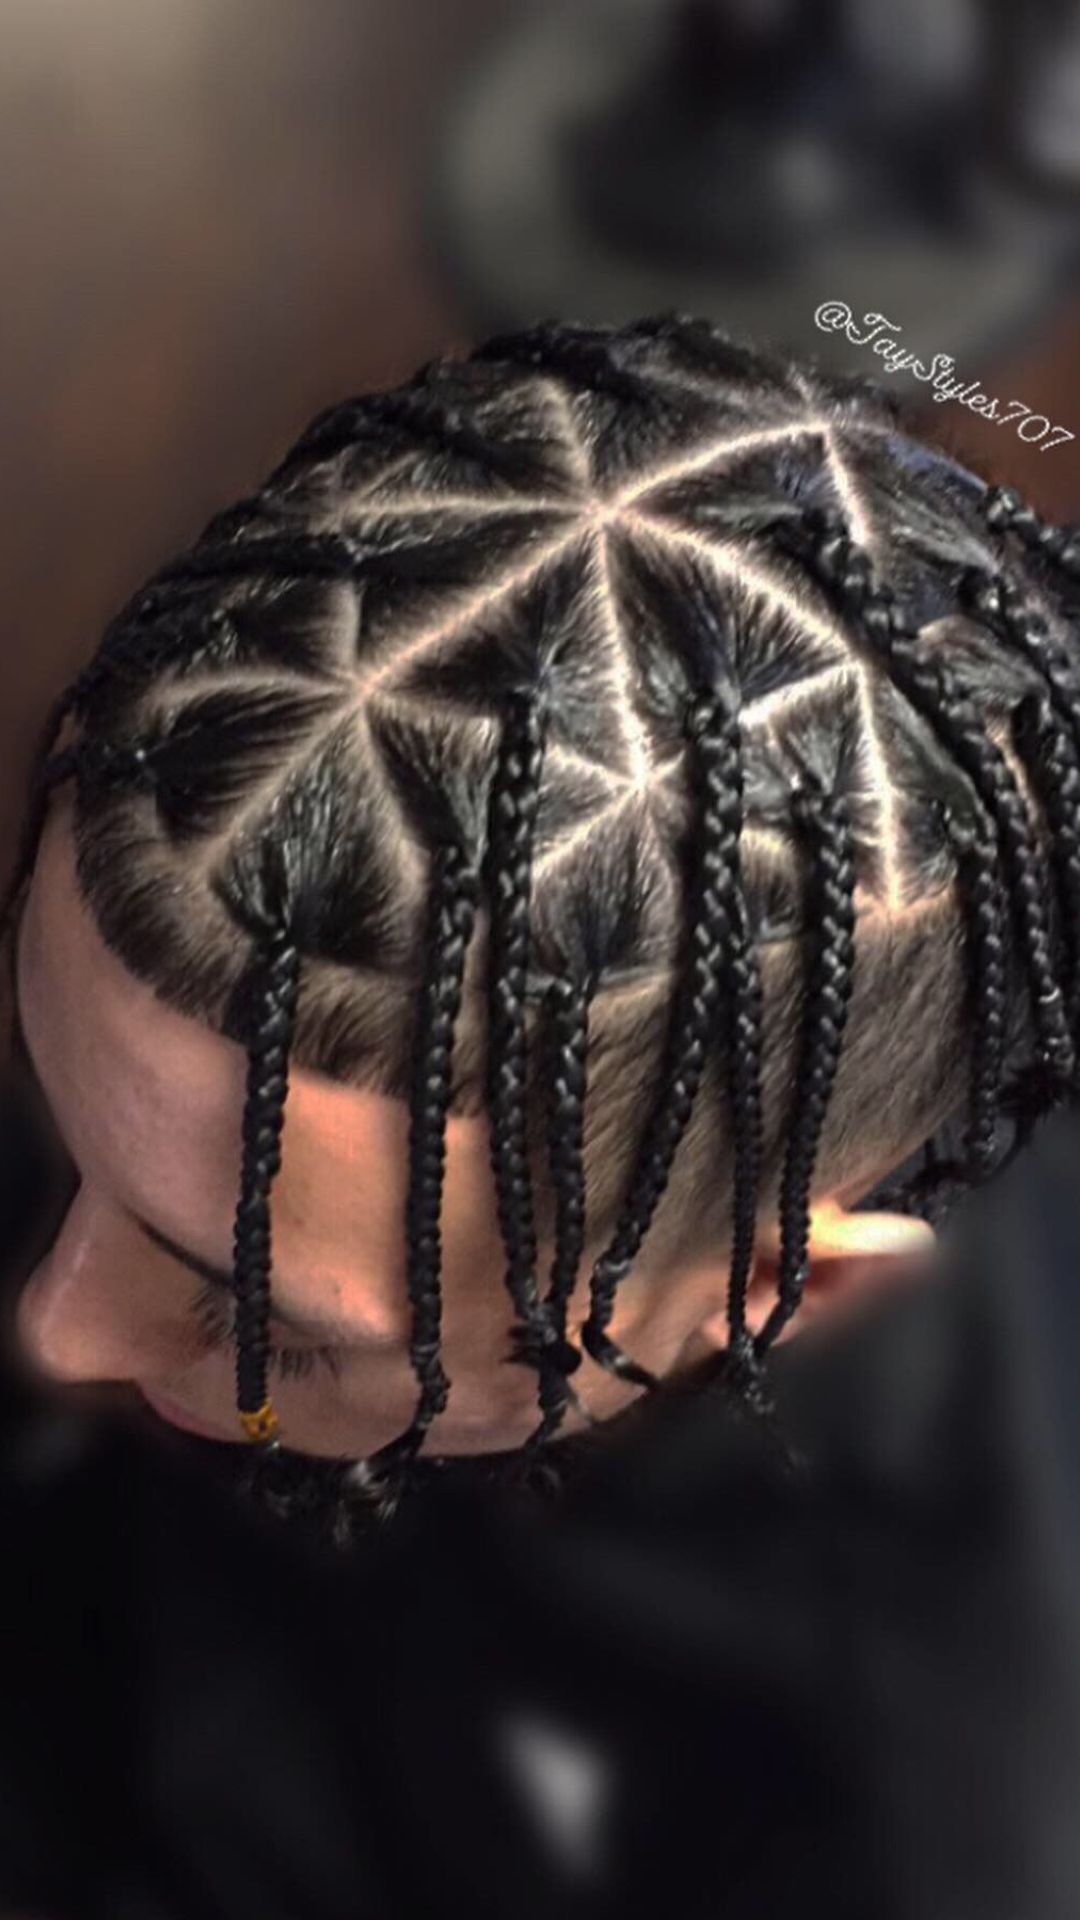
<point x="575" y="830"/>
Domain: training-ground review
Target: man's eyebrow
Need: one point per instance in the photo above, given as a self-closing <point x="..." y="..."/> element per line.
<point x="324" y="1329"/>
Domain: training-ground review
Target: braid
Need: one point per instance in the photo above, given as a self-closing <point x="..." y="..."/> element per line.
<point x="825" y="819"/>
<point x="1007" y="512"/>
<point x="746" y="1027"/>
<point x="264" y="1110"/>
<point x="1001" y="605"/>
<point x="980" y="881"/>
<point x="568" y="1016"/>
<point x="1051" y="759"/>
<point x="453" y="903"/>
<point x="940" y="1181"/>
<point x="714" y="734"/>
<point x="933" y="689"/>
<point x="514" y="801"/>
<point x="1048" y="735"/>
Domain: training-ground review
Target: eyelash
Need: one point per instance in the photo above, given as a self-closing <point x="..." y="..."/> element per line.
<point x="218" y="1329"/>
<point x="209" y="1310"/>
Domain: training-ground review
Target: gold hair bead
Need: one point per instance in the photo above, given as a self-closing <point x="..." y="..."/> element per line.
<point x="261" y="1426"/>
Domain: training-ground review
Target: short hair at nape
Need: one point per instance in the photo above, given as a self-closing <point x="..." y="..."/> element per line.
<point x="632" y="733"/>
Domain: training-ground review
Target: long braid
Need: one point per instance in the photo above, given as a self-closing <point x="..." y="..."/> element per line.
<point x="1048" y="752"/>
<point x="934" y="690"/>
<point x="824" y="819"/>
<point x="714" y="736"/>
<point x="979" y="875"/>
<point x="1048" y="734"/>
<point x="514" y="803"/>
<point x="746" y="1026"/>
<point x="1007" y="511"/>
<point x="453" y="902"/>
<point x="273" y="1021"/>
<point x="942" y="1179"/>
<point x="568" y="1024"/>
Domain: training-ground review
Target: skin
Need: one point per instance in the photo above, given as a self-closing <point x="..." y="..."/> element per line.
<point x="149" y="1105"/>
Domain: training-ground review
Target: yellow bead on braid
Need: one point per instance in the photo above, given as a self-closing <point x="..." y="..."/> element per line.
<point x="262" y="1425"/>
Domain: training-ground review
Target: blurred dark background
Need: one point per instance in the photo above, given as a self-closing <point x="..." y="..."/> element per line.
<point x="220" y="215"/>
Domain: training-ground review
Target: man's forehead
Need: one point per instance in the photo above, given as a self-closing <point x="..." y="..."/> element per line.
<point x="160" y="1096"/>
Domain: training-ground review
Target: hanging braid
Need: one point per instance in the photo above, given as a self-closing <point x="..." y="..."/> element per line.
<point x="1049" y="754"/>
<point x="712" y="729"/>
<point x="942" y="1179"/>
<point x="514" y="801"/>
<point x="1047" y="732"/>
<point x="746" y="1029"/>
<point x="823" y="818"/>
<point x="273" y="1020"/>
<point x="934" y="690"/>
<point x="568" y="1032"/>
<point x="979" y="874"/>
<point x="454" y="898"/>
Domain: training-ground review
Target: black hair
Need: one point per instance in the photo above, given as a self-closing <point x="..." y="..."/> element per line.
<point x="823" y="819"/>
<point x="536" y="738"/>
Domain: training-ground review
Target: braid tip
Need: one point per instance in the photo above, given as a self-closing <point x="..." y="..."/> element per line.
<point x="606" y="1354"/>
<point x="261" y="1427"/>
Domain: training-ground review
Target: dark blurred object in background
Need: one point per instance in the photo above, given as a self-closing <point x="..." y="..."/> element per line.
<point x="758" y="156"/>
<point x="759" y="129"/>
<point x="1034" y="90"/>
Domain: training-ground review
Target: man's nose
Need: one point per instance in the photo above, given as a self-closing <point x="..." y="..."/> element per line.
<point x="79" y="1316"/>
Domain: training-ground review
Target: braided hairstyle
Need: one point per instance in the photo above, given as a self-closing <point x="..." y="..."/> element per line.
<point x="601" y="729"/>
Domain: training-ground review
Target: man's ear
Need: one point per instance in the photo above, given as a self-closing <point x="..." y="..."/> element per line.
<point x="853" y="1256"/>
